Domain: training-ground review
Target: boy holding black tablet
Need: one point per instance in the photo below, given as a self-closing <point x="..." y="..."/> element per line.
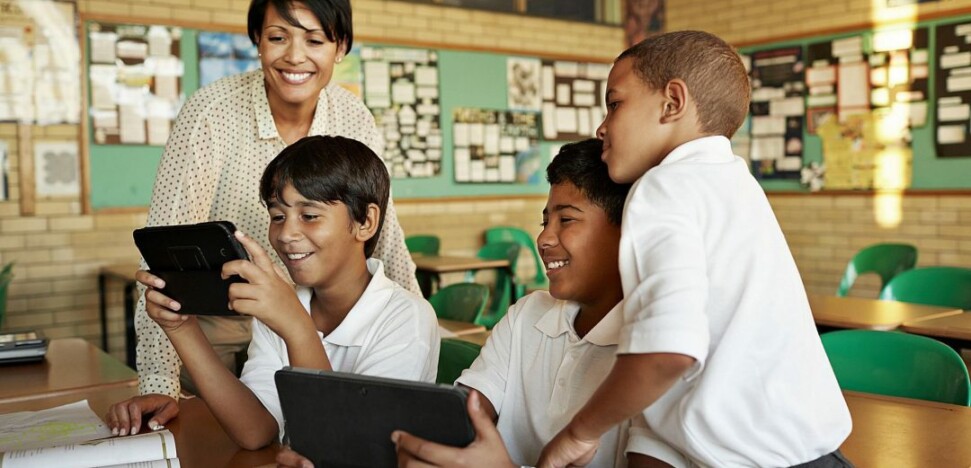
<point x="326" y="198"/>
<point x="545" y="358"/>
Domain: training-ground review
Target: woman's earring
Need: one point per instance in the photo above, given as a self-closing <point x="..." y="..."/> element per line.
<point x="339" y="58"/>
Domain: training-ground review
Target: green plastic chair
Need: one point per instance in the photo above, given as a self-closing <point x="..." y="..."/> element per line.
<point x="425" y="244"/>
<point x="525" y="241"/>
<point x="454" y="357"/>
<point x="505" y="286"/>
<point x="897" y="364"/>
<point x="937" y="286"/>
<point x="461" y="301"/>
<point x="886" y="260"/>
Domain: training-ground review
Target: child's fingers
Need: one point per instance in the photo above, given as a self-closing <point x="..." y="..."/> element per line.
<point x="485" y="429"/>
<point x="420" y="451"/>
<point x="245" y="269"/>
<point x="148" y="279"/>
<point x="161" y="301"/>
<point x="256" y="252"/>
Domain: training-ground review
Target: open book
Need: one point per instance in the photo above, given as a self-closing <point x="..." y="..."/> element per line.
<point x="72" y="435"/>
<point x="150" y="450"/>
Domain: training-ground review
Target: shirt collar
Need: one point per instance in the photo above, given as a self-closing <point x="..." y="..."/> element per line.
<point x="264" y="117"/>
<point x="353" y="330"/>
<point x="710" y="149"/>
<point x="559" y="320"/>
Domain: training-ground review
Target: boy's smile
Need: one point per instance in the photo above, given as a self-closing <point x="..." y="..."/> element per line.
<point x="579" y="247"/>
<point x="312" y="238"/>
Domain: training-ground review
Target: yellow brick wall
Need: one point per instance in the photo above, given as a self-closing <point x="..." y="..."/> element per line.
<point x="59" y="250"/>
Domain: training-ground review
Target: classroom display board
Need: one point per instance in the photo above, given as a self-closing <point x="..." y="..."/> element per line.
<point x="40" y="61"/>
<point x="134" y="73"/>
<point x="495" y="146"/>
<point x="573" y="99"/>
<point x="881" y="109"/>
<point x="401" y="89"/>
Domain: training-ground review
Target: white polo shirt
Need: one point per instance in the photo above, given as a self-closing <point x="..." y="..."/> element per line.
<point x="390" y="332"/>
<point x="538" y="373"/>
<point x="707" y="273"/>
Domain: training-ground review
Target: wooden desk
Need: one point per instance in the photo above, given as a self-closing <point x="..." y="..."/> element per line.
<point x="439" y="264"/>
<point x="957" y="326"/>
<point x="477" y="338"/>
<point x="460" y="328"/>
<point x="855" y="312"/>
<point x="199" y="439"/>
<point x="126" y="274"/>
<point x="71" y="366"/>
<point x="890" y="431"/>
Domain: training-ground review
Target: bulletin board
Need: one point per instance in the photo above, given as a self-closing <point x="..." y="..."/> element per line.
<point x="882" y="109"/>
<point x="122" y="175"/>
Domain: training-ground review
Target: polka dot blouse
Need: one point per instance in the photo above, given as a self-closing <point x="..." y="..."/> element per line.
<point x="222" y="140"/>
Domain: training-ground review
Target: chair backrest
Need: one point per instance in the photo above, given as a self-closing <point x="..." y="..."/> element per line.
<point x="503" y="292"/>
<point x="423" y="243"/>
<point x="938" y="286"/>
<point x="886" y="260"/>
<point x="897" y="364"/>
<point x="460" y="301"/>
<point x="454" y="357"/>
<point x="525" y="241"/>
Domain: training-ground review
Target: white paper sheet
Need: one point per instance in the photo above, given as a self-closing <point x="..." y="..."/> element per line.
<point x="853" y="88"/>
<point x="953" y="113"/>
<point x="951" y="134"/>
<point x="67" y="424"/>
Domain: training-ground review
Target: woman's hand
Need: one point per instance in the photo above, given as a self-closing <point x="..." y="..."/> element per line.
<point x="125" y="418"/>
<point x="287" y="458"/>
<point x="160" y="307"/>
<point x="268" y="295"/>
<point x="486" y="450"/>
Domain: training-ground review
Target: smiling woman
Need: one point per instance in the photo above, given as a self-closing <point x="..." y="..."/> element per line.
<point x="224" y="137"/>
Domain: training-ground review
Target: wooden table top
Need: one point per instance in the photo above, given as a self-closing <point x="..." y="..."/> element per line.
<point x="199" y="439"/>
<point x="477" y="338"/>
<point x="873" y="314"/>
<point x="952" y="326"/>
<point x="450" y="264"/>
<point x="72" y="365"/>
<point x="460" y="328"/>
<point x="889" y="431"/>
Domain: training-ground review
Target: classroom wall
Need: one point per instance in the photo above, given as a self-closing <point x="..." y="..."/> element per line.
<point x="59" y="250"/>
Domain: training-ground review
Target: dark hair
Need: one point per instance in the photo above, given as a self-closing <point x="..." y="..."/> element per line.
<point x="579" y="164"/>
<point x="331" y="169"/>
<point x="334" y="17"/>
<point x="709" y="66"/>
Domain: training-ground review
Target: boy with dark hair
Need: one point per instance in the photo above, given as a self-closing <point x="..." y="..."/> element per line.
<point x="326" y="197"/>
<point x="718" y="349"/>
<point x="548" y="354"/>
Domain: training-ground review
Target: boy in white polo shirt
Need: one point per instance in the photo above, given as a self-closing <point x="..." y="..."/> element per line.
<point x="551" y="351"/>
<point x="326" y="198"/>
<point x="718" y="349"/>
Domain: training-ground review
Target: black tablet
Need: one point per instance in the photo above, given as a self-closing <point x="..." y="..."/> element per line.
<point x="189" y="258"/>
<point x="22" y="346"/>
<point x="346" y="420"/>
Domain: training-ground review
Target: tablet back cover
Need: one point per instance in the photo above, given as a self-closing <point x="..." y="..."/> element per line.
<point x="345" y="420"/>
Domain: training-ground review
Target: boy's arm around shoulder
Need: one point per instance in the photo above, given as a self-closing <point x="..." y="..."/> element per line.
<point x="635" y="382"/>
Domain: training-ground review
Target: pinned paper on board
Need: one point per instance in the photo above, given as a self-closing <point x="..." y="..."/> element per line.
<point x="773" y="143"/>
<point x="496" y="146"/>
<point x="57" y="171"/>
<point x="523" y="77"/>
<point x="401" y="90"/>
<point x="952" y="84"/>
<point x="136" y="90"/>
<point x="573" y="99"/>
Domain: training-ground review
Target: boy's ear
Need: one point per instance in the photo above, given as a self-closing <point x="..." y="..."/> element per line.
<point x="369" y="228"/>
<point x="675" y="100"/>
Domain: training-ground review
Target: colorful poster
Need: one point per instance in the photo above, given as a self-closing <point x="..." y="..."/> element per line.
<point x="224" y="54"/>
<point x="401" y="89"/>
<point x="495" y="146"/>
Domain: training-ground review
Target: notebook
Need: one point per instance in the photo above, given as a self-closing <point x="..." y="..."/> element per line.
<point x="24" y="346"/>
<point x="345" y="420"/>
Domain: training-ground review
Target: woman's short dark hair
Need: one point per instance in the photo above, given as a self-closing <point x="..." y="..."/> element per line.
<point x="334" y="17"/>
<point x="580" y="164"/>
<point x="331" y="169"/>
